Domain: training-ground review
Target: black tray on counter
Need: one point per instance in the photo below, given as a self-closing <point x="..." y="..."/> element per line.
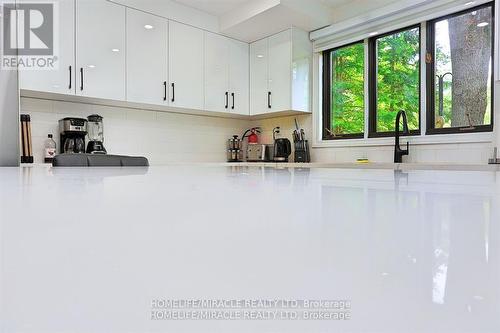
<point x="90" y="160"/>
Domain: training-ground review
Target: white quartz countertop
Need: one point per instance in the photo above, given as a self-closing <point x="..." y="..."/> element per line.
<point x="372" y="165"/>
<point x="93" y="250"/>
<point x="353" y="165"/>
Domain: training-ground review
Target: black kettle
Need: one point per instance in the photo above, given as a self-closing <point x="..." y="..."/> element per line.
<point x="282" y="147"/>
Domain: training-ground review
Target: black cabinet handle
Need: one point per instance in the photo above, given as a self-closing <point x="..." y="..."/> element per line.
<point x="81" y="79"/>
<point x="165" y="90"/>
<point x="269" y="99"/>
<point x="173" y="92"/>
<point x="232" y="95"/>
<point x="227" y="100"/>
<point x="70" y="78"/>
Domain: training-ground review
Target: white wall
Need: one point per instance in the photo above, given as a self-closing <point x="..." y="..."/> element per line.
<point x="9" y="114"/>
<point x="351" y="9"/>
<point x="9" y="118"/>
<point x="162" y="137"/>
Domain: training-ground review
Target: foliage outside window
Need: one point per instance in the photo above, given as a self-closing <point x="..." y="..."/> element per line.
<point x="346" y="111"/>
<point x="397" y="74"/>
<point x="461" y="71"/>
<point x="459" y="81"/>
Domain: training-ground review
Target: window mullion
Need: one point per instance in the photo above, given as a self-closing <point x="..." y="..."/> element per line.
<point x="423" y="79"/>
<point x="367" y="90"/>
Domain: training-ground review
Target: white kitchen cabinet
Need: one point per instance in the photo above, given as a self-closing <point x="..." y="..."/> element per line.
<point x="226" y="74"/>
<point x="216" y="72"/>
<point x="280" y="68"/>
<point x="186" y="47"/>
<point x="280" y="72"/>
<point x="114" y="52"/>
<point x="60" y="79"/>
<point x="100" y="49"/>
<point x="147" y="58"/>
<point x="259" y="71"/>
<point x="239" y="77"/>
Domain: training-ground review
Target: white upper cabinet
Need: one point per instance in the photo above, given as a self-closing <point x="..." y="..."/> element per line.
<point x="110" y="51"/>
<point x="100" y="49"/>
<point x="281" y="68"/>
<point x="259" y="71"/>
<point x="186" y="47"/>
<point x="302" y="58"/>
<point x="147" y="58"/>
<point x="216" y="72"/>
<point x="60" y="79"/>
<point x="239" y="77"/>
<point x="226" y="74"/>
<point x="280" y="72"/>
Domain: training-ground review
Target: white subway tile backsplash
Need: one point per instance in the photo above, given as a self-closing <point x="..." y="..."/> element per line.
<point x="423" y="155"/>
<point x="68" y="109"/>
<point x="466" y="153"/>
<point x="39" y="105"/>
<point x="109" y="112"/>
<point x="162" y="137"/>
<point x="178" y="138"/>
<point x="380" y="154"/>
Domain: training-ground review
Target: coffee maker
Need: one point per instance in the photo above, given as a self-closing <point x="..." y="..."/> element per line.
<point x="72" y="132"/>
<point x="96" y="135"/>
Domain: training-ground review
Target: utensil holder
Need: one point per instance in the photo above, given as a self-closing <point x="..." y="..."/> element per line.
<point x="26" y="143"/>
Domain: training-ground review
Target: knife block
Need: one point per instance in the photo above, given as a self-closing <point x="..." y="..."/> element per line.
<point x="302" y="152"/>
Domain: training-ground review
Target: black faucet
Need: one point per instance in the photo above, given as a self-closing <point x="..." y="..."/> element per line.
<point x="398" y="152"/>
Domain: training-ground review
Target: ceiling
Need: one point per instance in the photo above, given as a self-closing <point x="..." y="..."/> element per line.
<point x="335" y="3"/>
<point x="250" y="20"/>
<point x="215" y="7"/>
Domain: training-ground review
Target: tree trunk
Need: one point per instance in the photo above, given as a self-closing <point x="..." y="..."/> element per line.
<point x="470" y="58"/>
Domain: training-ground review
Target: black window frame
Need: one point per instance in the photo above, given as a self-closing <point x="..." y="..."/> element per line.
<point x="430" y="82"/>
<point x="431" y="78"/>
<point x="327" y="85"/>
<point x="373" y="86"/>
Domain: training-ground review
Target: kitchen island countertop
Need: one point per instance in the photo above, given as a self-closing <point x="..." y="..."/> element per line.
<point x="97" y="249"/>
<point x="330" y="165"/>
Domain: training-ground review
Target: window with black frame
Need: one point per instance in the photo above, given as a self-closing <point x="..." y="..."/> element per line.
<point x="459" y="79"/>
<point x="394" y="80"/>
<point x="459" y="74"/>
<point x="344" y="92"/>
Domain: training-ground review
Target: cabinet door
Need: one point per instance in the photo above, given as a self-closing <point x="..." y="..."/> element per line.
<point x="147" y="58"/>
<point x="100" y="50"/>
<point x="216" y="72"/>
<point x="186" y="66"/>
<point x="61" y="79"/>
<point x="239" y="79"/>
<point x="280" y="70"/>
<point x="259" y="77"/>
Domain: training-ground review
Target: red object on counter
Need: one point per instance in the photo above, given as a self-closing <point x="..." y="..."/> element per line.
<point x="253" y="137"/>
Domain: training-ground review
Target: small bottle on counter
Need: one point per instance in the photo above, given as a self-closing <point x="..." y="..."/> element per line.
<point x="49" y="149"/>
